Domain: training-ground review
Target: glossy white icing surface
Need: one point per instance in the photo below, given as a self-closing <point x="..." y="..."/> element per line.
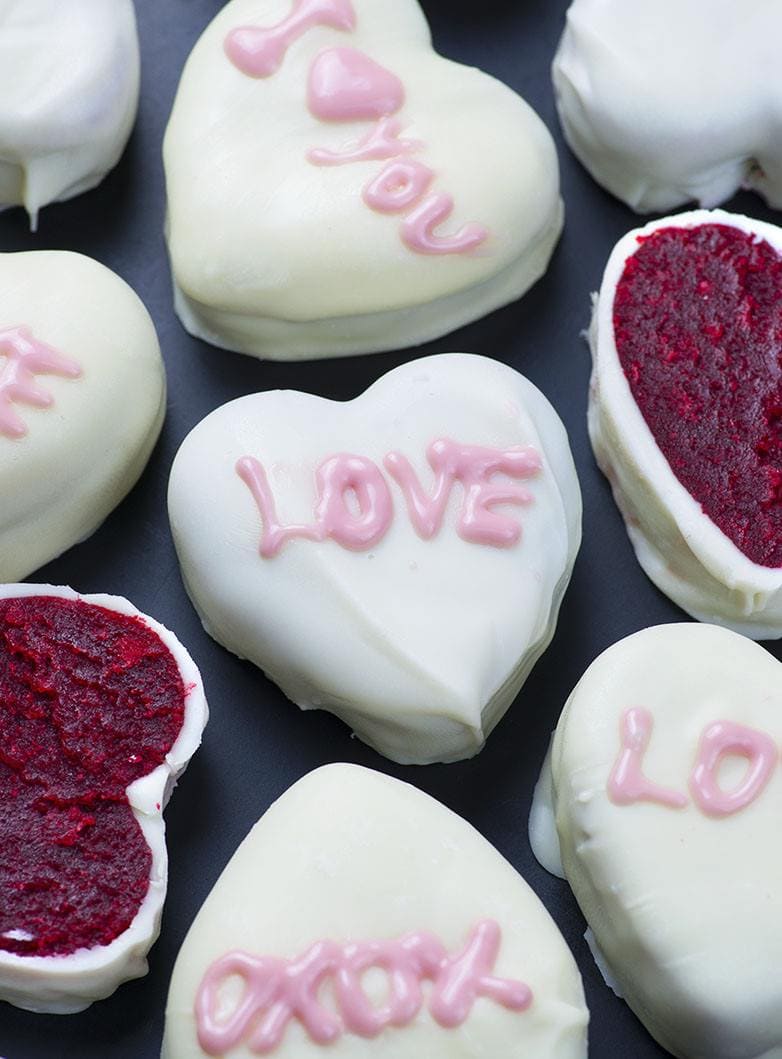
<point x="63" y="985"/>
<point x="279" y="257"/>
<point x="686" y="555"/>
<point x="685" y="906"/>
<point x="82" y="454"/>
<point x="350" y="855"/>
<point x="674" y="101"/>
<point x="70" y="82"/>
<point x="419" y="644"/>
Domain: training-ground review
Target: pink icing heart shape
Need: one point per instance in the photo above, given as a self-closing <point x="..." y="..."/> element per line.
<point x="346" y="85"/>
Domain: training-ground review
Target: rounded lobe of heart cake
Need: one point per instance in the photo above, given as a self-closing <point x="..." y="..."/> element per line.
<point x="90" y="701"/>
<point x="698" y="328"/>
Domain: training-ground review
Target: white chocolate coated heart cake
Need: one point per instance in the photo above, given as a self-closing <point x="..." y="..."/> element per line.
<point x="82" y="401"/>
<point x="70" y="77"/>
<point x="399" y="559"/>
<point x="336" y="187"/>
<point x="362" y="918"/>
<point x="674" y="101"/>
<point x="661" y="795"/>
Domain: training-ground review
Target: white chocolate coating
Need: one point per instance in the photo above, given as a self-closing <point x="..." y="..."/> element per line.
<point x="674" y="101"/>
<point x="70" y="92"/>
<point x="277" y="257"/>
<point x="82" y="455"/>
<point x="349" y="854"/>
<point x="62" y="985"/>
<point x="686" y="555"/>
<point x="686" y="908"/>
<point x="420" y="645"/>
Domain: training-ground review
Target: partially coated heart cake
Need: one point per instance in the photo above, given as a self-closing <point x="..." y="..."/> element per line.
<point x="101" y="709"/>
<point x="361" y="918"/>
<point x="399" y="559"/>
<point x="82" y="401"/>
<point x="328" y="185"/>
<point x="686" y="406"/>
<point x="660" y="803"/>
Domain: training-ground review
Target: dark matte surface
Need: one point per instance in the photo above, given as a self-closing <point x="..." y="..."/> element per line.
<point x="257" y="743"/>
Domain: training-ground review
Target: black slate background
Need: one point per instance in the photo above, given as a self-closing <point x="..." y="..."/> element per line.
<point x="257" y="744"/>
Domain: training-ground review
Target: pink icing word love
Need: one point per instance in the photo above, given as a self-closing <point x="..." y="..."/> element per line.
<point x="277" y="991"/>
<point x="259" y="52"/>
<point x="346" y="85"/>
<point x="363" y="524"/>
<point x="628" y="784"/>
<point x="22" y="357"/>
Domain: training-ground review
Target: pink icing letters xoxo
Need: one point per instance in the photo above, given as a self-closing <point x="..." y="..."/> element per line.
<point x="277" y="991"/>
<point x="365" y="525"/>
<point x="346" y="85"/>
<point x="628" y="784"/>
<point x="22" y="357"/>
<point x="259" y="52"/>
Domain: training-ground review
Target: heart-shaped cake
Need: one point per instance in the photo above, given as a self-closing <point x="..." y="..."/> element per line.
<point x="685" y="410"/>
<point x="70" y="92"/>
<point x="328" y="185"/>
<point x="361" y="918"/>
<point x="82" y="400"/>
<point x="101" y="709"/>
<point x="398" y="560"/>
<point x="662" y="793"/>
<point x="674" y="101"/>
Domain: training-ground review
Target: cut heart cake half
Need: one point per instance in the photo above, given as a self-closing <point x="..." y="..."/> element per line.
<point x="101" y="709"/>
<point x="360" y="918"/>
<point x="660" y="803"/>
<point x="399" y="559"/>
<point x="685" y="410"/>
<point x="336" y="187"/>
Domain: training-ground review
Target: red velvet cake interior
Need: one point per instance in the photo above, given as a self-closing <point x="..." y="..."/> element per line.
<point x="698" y="326"/>
<point x="90" y="700"/>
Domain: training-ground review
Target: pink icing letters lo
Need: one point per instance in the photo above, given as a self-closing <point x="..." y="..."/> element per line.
<point x="276" y="991"/>
<point x="627" y="783"/>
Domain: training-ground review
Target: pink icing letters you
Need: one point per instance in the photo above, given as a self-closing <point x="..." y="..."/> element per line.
<point x="22" y="357"/>
<point x="363" y="524"/>
<point x="277" y="991"/>
<point x="259" y="52"/>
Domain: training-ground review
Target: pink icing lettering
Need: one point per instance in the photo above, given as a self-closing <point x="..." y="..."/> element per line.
<point x="335" y="478"/>
<point x="398" y="186"/>
<point x="259" y="52"/>
<point x="274" y="535"/>
<point x="344" y="474"/>
<point x="725" y="738"/>
<point x="473" y="466"/>
<point x="381" y="142"/>
<point x="275" y="991"/>
<point x="627" y="783"/>
<point x="25" y="357"/>
<point x="418" y="228"/>
<point x="346" y="85"/>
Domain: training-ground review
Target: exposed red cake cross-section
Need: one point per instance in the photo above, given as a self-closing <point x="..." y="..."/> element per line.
<point x="90" y="700"/>
<point x="698" y="326"/>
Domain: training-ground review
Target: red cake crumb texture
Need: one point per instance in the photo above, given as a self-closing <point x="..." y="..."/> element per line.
<point x="698" y="326"/>
<point x="90" y="700"/>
